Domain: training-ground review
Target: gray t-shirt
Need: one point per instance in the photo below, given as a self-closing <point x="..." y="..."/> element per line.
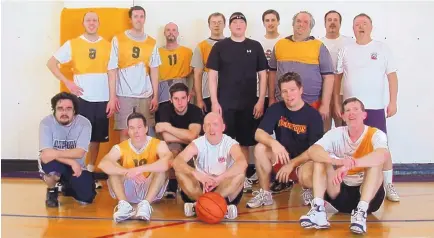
<point x="53" y="135"/>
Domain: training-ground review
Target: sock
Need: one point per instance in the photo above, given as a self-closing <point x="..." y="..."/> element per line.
<point x="388" y="175"/>
<point x="90" y="167"/>
<point x="363" y="205"/>
<point x="318" y="201"/>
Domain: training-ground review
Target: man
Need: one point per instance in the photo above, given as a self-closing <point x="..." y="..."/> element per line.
<point x="175" y="63"/>
<point x="137" y="171"/>
<point x="179" y="123"/>
<point x="94" y="81"/>
<point x="307" y="56"/>
<point x="334" y="41"/>
<point x="219" y="166"/>
<point x="352" y="154"/>
<point x="297" y="126"/>
<point x="137" y="60"/>
<point x="365" y="66"/>
<point x="64" y="139"/>
<point x="216" y="24"/>
<point x="238" y="60"/>
<point x="271" y="22"/>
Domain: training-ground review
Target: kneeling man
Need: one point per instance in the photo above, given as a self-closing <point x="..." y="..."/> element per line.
<point x="137" y="170"/>
<point x="352" y="154"/>
<point x="219" y="166"/>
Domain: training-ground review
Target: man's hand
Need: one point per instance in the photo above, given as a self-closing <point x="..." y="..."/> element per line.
<point x="49" y="154"/>
<point x="284" y="173"/>
<point x="279" y="152"/>
<point x="348" y="162"/>
<point x="76" y="168"/>
<point x="201" y="104"/>
<point x="391" y="109"/>
<point x="73" y="88"/>
<point x="338" y="111"/>
<point x="258" y="110"/>
<point x="207" y="181"/>
<point x="153" y="106"/>
<point x="324" y="110"/>
<point x="339" y="175"/>
<point x="217" y="108"/>
<point x="112" y="107"/>
<point x="133" y="173"/>
<point x="162" y="127"/>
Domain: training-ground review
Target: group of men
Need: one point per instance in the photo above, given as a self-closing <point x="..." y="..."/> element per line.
<point x="277" y="94"/>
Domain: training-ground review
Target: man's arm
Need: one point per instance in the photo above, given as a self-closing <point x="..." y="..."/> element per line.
<point x="337" y="90"/>
<point x="213" y="64"/>
<point x="373" y="159"/>
<point x="393" y="94"/>
<point x="212" y="81"/>
<point x="327" y="94"/>
<point x="180" y="162"/>
<point x="184" y="135"/>
<point x="109" y="164"/>
<point x="63" y="55"/>
<point x="327" y="72"/>
<point x="318" y="154"/>
<point x="272" y="65"/>
<point x="264" y="137"/>
<point x="240" y="163"/>
<point x="163" y="163"/>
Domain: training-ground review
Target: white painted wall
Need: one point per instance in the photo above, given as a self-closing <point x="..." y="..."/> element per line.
<point x="30" y="33"/>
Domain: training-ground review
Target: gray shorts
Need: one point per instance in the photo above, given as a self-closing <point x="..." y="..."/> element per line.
<point x="164" y="87"/>
<point x="126" y="108"/>
<point x="136" y="192"/>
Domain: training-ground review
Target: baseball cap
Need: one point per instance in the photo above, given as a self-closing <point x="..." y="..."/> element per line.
<point x="237" y="15"/>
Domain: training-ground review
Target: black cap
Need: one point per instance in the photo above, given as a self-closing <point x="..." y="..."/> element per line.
<point x="237" y="15"/>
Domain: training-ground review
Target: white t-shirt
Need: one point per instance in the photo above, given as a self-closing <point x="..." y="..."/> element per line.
<point x="268" y="45"/>
<point x="133" y="81"/>
<point x="95" y="86"/>
<point x="338" y="144"/>
<point x="365" y="69"/>
<point x="334" y="45"/>
<point x="214" y="159"/>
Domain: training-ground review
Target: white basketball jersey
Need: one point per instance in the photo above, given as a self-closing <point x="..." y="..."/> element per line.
<point x="214" y="159"/>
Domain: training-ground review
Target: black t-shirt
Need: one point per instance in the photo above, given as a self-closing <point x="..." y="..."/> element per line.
<point x="295" y="130"/>
<point x="193" y="115"/>
<point x="237" y="64"/>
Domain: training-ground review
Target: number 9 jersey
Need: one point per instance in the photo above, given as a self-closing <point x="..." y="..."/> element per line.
<point x="132" y="157"/>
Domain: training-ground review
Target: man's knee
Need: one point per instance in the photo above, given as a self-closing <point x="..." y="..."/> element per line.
<point x="83" y="187"/>
<point x="261" y="152"/>
<point x="305" y="175"/>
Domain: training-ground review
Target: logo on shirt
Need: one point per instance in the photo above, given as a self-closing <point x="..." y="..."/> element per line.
<point x="221" y="160"/>
<point x="374" y="56"/>
<point x="268" y="54"/>
<point x="64" y="144"/>
<point x="299" y="129"/>
<point x="249" y="51"/>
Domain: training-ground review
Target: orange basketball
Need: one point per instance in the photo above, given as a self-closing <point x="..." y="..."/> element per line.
<point x="211" y="208"/>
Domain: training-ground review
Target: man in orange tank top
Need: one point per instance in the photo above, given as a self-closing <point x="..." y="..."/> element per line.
<point x="351" y="159"/>
<point x="137" y="171"/>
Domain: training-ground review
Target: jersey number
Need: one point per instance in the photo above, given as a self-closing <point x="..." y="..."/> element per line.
<point x="136" y="52"/>
<point x="172" y="59"/>
<point x="92" y="53"/>
<point x="139" y="162"/>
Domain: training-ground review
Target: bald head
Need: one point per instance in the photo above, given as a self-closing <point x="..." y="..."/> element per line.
<point x="214" y="127"/>
<point x="213" y="116"/>
<point x="91" y="23"/>
<point x="171" y="32"/>
<point x="90" y="15"/>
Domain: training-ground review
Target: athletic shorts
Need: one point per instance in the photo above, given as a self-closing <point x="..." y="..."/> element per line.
<point x="376" y="118"/>
<point x="81" y="188"/>
<point x="136" y="192"/>
<point x="230" y="201"/>
<point x="241" y="125"/>
<point x="95" y="112"/>
<point x="164" y="88"/>
<point x="349" y="197"/>
<point x="208" y="105"/>
<point x="126" y="108"/>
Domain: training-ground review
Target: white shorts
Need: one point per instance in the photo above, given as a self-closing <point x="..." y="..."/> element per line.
<point x="136" y="192"/>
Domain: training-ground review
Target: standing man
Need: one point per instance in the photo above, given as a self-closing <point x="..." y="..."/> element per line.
<point x="175" y="63"/>
<point x="365" y="66"/>
<point x="334" y="42"/>
<point x="271" y="22"/>
<point x="307" y="56"/>
<point x="64" y="139"/>
<point x="216" y="24"/>
<point x="94" y="80"/>
<point x="179" y="123"/>
<point x="137" y="59"/>
<point x="238" y="60"/>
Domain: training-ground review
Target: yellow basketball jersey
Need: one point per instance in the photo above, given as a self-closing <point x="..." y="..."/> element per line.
<point x="130" y="159"/>
<point x="175" y="63"/>
<point x="132" y="52"/>
<point x="364" y="148"/>
<point x="88" y="57"/>
<point x="205" y="48"/>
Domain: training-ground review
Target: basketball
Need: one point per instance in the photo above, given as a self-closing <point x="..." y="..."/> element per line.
<point x="211" y="208"/>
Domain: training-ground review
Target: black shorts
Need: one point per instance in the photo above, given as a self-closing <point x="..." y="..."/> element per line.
<point x="349" y="197"/>
<point x="95" y="112"/>
<point x="208" y="105"/>
<point x="235" y="202"/>
<point x="241" y="125"/>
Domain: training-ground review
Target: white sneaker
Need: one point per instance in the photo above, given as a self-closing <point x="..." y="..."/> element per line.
<point x="144" y="210"/>
<point x="358" y="221"/>
<point x="261" y="198"/>
<point x="98" y="185"/>
<point x="123" y="211"/>
<point x="247" y="186"/>
<point x="307" y="196"/>
<point x="254" y="178"/>
<point x="189" y="209"/>
<point x="315" y="218"/>
<point x="59" y="186"/>
<point x="232" y="212"/>
<point x="391" y="193"/>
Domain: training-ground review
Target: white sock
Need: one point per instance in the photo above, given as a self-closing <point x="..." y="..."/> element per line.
<point x="363" y="205"/>
<point x="318" y="201"/>
<point x="388" y="175"/>
<point x="90" y="167"/>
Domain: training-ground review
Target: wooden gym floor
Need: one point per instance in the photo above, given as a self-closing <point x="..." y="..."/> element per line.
<point x="24" y="215"/>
